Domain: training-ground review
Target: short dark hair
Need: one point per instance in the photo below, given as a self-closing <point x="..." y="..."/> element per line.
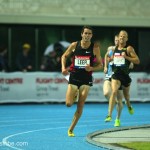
<point x="86" y="27"/>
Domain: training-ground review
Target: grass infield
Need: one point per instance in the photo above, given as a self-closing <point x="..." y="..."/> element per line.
<point x="136" y="145"/>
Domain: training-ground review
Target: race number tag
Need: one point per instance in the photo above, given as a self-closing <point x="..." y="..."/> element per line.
<point x="119" y="60"/>
<point x="82" y="61"/>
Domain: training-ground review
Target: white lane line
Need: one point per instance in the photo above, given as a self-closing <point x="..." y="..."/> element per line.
<point x="31" y="120"/>
<point x="7" y="143"/>
<point x="50" y="122"/>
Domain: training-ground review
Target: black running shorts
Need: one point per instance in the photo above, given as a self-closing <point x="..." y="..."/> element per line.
<point x="123" y="78"/>
<point x="79" y="79"/>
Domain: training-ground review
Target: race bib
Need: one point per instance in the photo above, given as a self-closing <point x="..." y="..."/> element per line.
<point x="119" y="60"/>
<point x="82" y="61"/>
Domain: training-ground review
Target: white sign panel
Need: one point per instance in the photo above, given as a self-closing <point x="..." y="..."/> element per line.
<point x="51" y="87"/>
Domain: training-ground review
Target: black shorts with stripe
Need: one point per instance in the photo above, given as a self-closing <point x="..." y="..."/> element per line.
<point x="80" y="78"/>
<point x="123" y="78"/>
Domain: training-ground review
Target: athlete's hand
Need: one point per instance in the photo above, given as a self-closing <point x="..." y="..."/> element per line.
<point x="105" y="70"/>
<point x="88" y="68"/>
<point x="64" y="71"/>
<point x="131" y="66"/>
<point x="123" y="54"/>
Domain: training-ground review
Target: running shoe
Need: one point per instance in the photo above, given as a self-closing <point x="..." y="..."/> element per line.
<point x="70" y="133"/>
<point x="130" y="110"/>
<point x="117" y="123"/>
<point x="108" y="119"/>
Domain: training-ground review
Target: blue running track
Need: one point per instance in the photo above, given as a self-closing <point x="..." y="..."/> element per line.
<point x="44" y="126"/>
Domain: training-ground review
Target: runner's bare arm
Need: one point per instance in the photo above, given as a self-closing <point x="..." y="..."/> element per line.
<point x="99" y="64"/>
<point x="107" y="58"/>
<point x="105" y="62"/>
<point x="64" y="57"/>
<point x="132" y="55"/>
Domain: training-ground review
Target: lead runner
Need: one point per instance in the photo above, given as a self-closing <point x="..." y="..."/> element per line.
<point x="83" y="53"/>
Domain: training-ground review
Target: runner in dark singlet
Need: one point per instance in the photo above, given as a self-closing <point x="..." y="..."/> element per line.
<point x="122" y="57"/>
<point x="81" y="69"/>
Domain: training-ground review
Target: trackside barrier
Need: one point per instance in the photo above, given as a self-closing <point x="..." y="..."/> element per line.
<point x="20" y="87"/>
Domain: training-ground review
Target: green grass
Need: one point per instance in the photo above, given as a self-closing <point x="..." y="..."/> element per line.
<point x="136" y="145"/>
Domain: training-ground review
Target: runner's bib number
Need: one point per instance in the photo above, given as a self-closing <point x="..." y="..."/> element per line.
<point x="82" y="61"/>
<point x="119" y="60"/>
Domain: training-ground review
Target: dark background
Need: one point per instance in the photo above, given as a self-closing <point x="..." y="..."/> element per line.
<point x="40" y="36"/>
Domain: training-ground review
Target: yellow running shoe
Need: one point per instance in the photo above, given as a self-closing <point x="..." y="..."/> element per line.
<point x="117" y="123"/>
<point x="70" y="133"/>
<point x="130" y="110"/>
<point x="108" y="119"/>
